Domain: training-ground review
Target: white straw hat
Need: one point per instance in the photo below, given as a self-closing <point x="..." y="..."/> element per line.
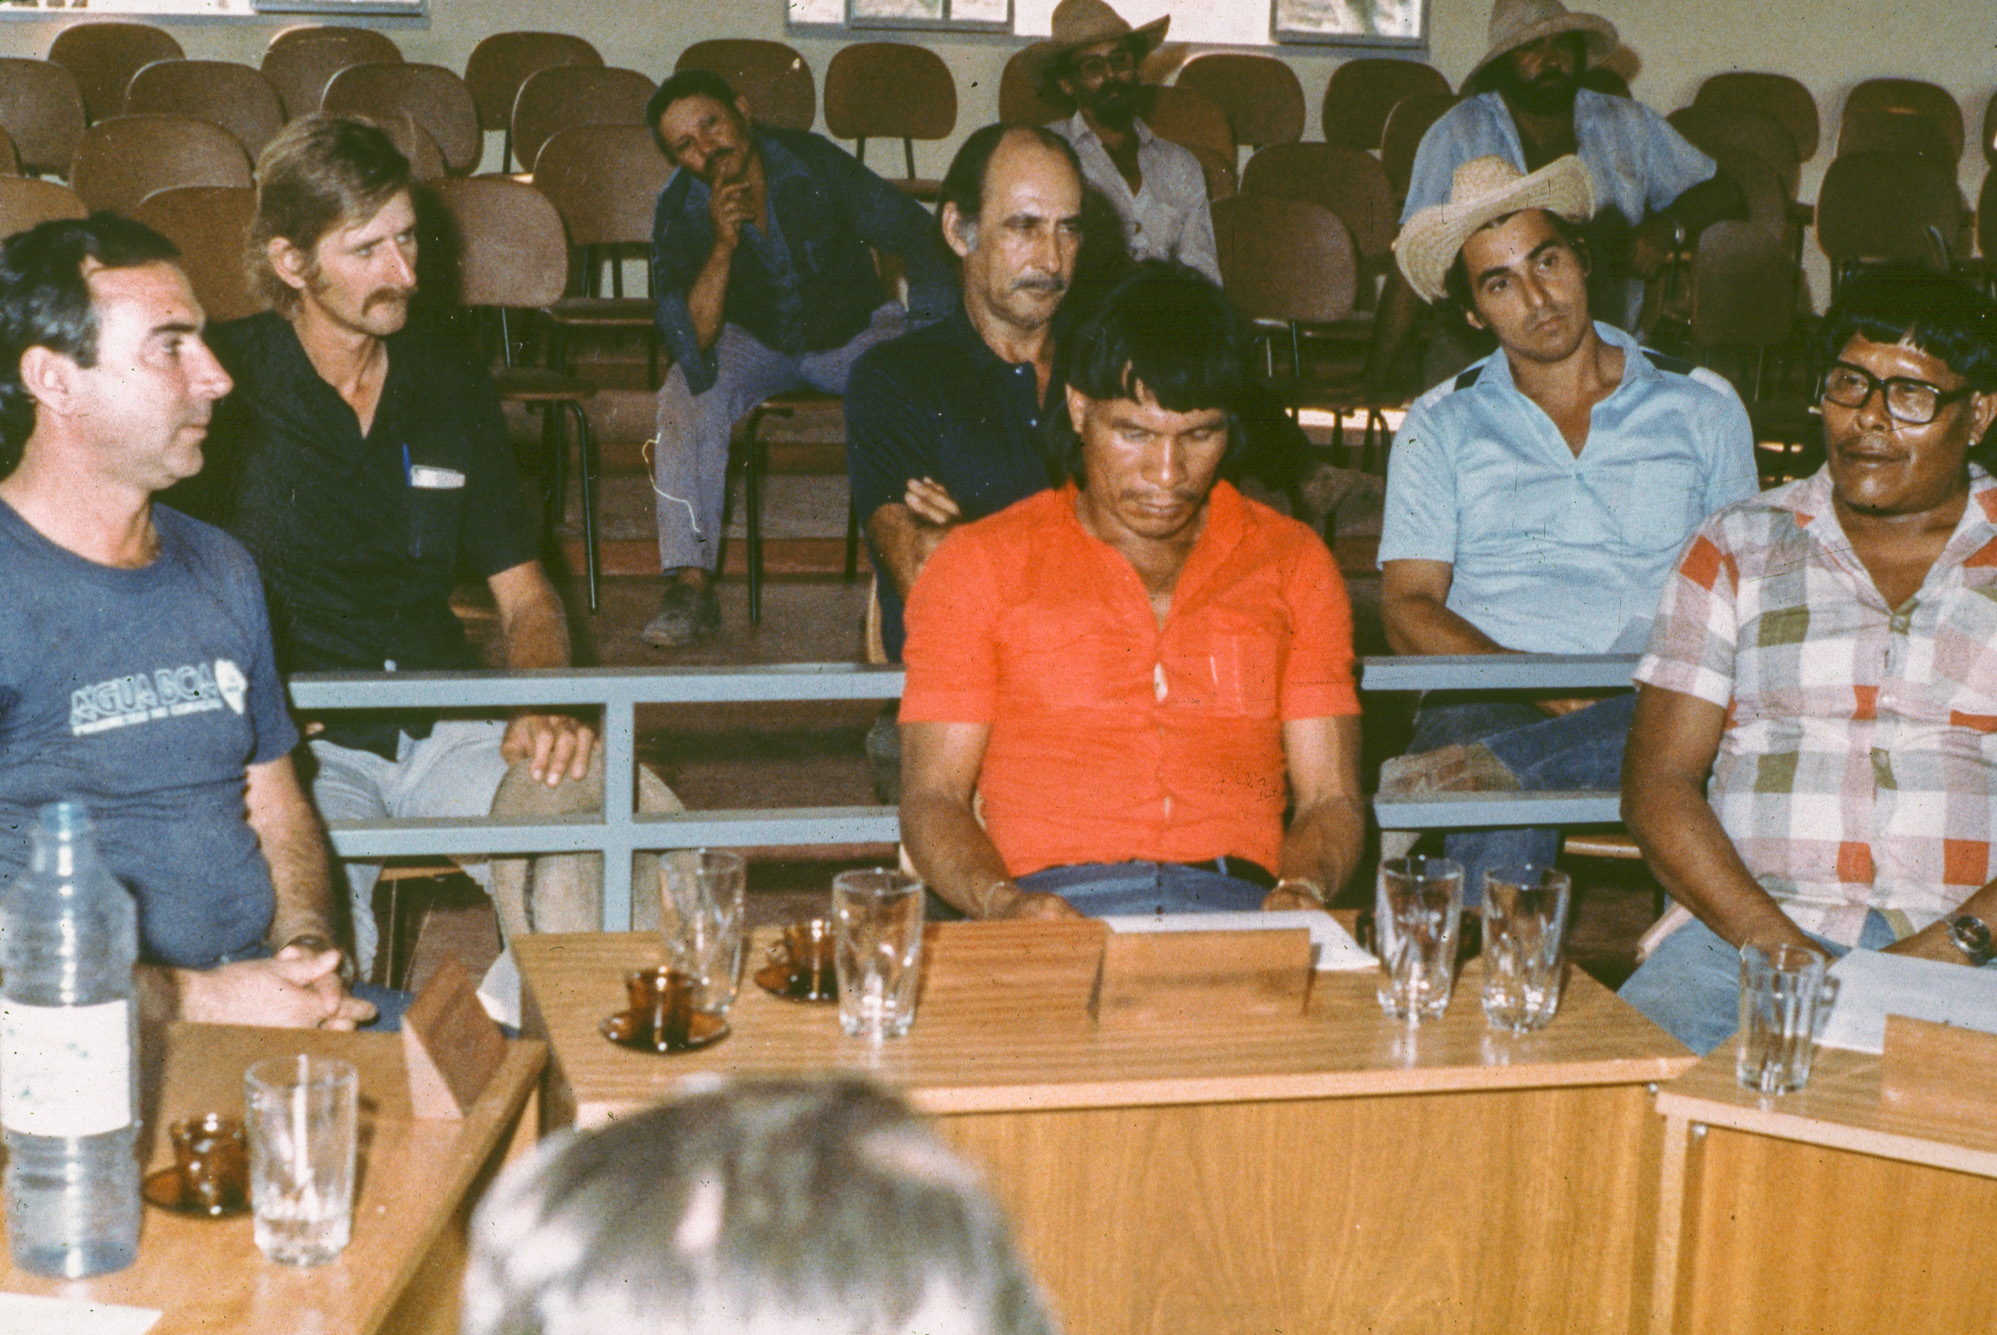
<point x="1517" y="22"/>
<point x="1482" y="191"/>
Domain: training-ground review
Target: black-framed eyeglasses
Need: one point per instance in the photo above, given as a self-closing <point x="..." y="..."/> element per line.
<point x="1914" y="402"/>
<point x="1120" y="61"/>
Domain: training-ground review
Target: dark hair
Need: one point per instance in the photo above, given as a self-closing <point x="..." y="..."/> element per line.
<point x="1944" y="316"/>
<point x="764" y="1205"/>
<point x="964" y="184"/>
<point x="319" y="173"/>
<point x="1165" y="330"/>
<point x="1456" y="282"/>
<point x="45" y="302"/>
<point x="685" y="84"/>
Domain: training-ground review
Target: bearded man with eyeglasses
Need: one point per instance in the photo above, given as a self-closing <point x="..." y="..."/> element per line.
<point x="1155" y="187"/>
<point x="1828" y="655"/>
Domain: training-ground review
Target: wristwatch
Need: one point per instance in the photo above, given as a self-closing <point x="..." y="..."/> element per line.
<point x="1972" y="937"/>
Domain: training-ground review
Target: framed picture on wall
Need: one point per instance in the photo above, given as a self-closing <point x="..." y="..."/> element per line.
<point x="340" y="6"/>
<point x="1351" y="22"/>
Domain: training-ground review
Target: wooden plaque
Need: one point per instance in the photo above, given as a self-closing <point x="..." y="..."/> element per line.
<point x="1187" y="977"/>
<point x="1943" y="1070"/>
<point x="450" y="1045"/>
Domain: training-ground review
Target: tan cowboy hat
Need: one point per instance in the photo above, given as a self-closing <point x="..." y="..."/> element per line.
<point x="1484" y="190"/>
<point x="1517" y="22"/>
<point x="1080" y="23"/>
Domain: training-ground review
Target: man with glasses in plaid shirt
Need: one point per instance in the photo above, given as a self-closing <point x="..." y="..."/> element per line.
<point x="1828" y="654"/>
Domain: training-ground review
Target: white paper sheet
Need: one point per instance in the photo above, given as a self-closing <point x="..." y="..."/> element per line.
<point x="1872" y="985"/>
<point x="1333" y="946"/>
<point x="24" y="1315"/>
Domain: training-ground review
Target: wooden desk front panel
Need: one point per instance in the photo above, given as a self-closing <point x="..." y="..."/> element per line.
<point x="1786" y="1236"/>
<point x="1499" y="1210"/>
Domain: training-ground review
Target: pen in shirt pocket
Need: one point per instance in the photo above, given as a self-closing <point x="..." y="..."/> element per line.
<point x="426" y="478"/>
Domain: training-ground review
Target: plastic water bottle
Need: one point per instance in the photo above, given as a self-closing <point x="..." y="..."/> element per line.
<point x="68" y="941"/>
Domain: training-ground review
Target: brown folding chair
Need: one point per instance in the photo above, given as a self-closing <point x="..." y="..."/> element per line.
<point x="605" y="181"/>
<point x="1916" y="95"/>
<point x="1191" y="120"/>
<point x="1260" y="94"/>
<point x="434" y="97"/>
<point x="1362" y="92"/>
<point x="300" y="61"/>
<point x="1349" y="183"/>
<point x="126" y="158"/>
<point x="1875" y="207"/>
<point x="1020" y="99"/>
<point x="564" y="96"/>
<point x="105" y="56"/>
<point x="1784" y="100"/>
<point x="24" y="202"/>
<point x="1285" y="263"/>
<point x="41" y="108"/>
<point x="10" y="157"/>
<point x="414" y="142"/>
<point x="209" y="224"/>
<point x="772" y="78"/>
<point x="1745" y="290"/>
<point x="236" y="97"/>
<point x="512" y="256"/>
<point x="499" y="64"/>
<point x="1894" y="130"/>
<point x="1401" y="140"/>
<point x="892" y="90"/>
<point x="1717" y="127"/>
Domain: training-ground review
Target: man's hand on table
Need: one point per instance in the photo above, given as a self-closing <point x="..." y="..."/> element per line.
<point x="1006" y="900"/>
<point x="556" y="746"/>
<point x="1293" y="893"/>
<point x="297" y="988"/>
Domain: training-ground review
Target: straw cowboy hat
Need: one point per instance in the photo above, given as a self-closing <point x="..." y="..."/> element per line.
<point x="1482" y="191"/>
<point x="1080" y="23"/>
<point x="1517" y="22"/>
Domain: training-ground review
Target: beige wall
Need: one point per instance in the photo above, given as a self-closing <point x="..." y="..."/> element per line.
<point x="1679" y="43"/>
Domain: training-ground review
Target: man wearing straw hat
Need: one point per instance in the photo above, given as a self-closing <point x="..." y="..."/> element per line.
<point x="1156" y="186"/>
<point x="1537" y="502"/>
<point x="1523" y="102"/>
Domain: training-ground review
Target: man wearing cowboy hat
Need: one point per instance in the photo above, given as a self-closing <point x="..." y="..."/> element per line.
<point x="1156" y="187"/>
<point x="1537" y="502"/>
<point x="1523" y="102"/>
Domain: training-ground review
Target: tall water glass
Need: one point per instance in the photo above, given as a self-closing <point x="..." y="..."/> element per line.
<point x="877" y="916"/>
<point x="702" y="898"/>
<point x="303" y="1125"/>
<point x="1525" y="920"/>
<point x="1417" y="909"/>
<point x="1781" y="990"/>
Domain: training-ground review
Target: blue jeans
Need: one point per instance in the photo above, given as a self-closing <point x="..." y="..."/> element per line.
<point x="1690" y="985"/>
<point x="1107" y="889"/>
<point x="1578" y="751"/>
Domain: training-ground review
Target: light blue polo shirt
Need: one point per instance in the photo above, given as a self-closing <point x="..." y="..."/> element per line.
<point x="1635" y="158"/>
<point x="1554" y="553"/>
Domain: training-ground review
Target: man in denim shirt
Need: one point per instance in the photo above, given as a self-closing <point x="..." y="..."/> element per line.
<point x="763" y="283"/>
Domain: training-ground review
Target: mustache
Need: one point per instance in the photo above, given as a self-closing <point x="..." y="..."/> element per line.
<point x="1050" y="284"/>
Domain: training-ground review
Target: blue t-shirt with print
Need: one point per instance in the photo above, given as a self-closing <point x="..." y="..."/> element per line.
<point x="145" y="693"/>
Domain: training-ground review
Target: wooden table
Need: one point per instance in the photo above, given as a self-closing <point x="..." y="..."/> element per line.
<point x="1824" y="1210"/>
<point x="1331" y="1170"/>
<point x="401" y="1270"/>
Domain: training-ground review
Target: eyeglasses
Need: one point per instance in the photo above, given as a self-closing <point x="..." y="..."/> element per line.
<point x="1120" y="61"/>
<point x="1914" y="402"/>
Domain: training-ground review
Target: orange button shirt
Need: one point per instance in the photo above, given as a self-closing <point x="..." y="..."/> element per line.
<point x="1110" y="738"/>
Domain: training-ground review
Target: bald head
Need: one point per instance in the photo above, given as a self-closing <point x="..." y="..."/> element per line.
<point x="1016" y="222"/>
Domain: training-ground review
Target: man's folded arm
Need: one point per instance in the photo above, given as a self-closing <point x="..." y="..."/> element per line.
<point x="1672" y="744"/>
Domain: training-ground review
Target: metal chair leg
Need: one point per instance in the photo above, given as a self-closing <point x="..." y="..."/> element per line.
<point x="852" y="543"/>
<point x="752" y="497"/>
<point x="586" y="457"/>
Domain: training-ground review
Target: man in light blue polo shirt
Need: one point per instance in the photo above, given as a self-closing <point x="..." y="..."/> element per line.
<point x="1523" y="102"/>
<point x="1537" y="502"/>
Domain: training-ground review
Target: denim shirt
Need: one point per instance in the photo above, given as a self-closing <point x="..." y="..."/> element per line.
<point x="807" y="284"/>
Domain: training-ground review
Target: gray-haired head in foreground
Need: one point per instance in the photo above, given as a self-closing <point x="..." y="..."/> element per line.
<point x="759" y="1208"/>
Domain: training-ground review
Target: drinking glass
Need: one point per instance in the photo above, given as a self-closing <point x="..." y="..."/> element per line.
<point x="701" y="902"/>
<point x="303" y="1124"/>
<point x="1417" y="908"/>
<point x="878" y="918"/>
<point x="1525" y="919"/>
<point x="1782" y="989"/>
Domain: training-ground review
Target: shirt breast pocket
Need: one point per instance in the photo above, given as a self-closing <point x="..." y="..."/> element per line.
<point x="1661" y="504"/>
<point x="1965" y="651"/>
<point x="1235" y="668"/>
<point x="434" y="517"/>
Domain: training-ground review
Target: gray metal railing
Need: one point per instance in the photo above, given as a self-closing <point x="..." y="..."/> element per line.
<point x="621" y="831"/>
<point x="1498" y="672"/>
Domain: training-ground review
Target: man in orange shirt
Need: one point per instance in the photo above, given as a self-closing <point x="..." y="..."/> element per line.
<point x="1138" y="673"/>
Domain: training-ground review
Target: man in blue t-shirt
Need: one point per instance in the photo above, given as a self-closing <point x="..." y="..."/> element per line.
<point x="135" y="661"/>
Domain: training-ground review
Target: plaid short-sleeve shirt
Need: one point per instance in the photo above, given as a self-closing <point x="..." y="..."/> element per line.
<point x="1856" y="769"/>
